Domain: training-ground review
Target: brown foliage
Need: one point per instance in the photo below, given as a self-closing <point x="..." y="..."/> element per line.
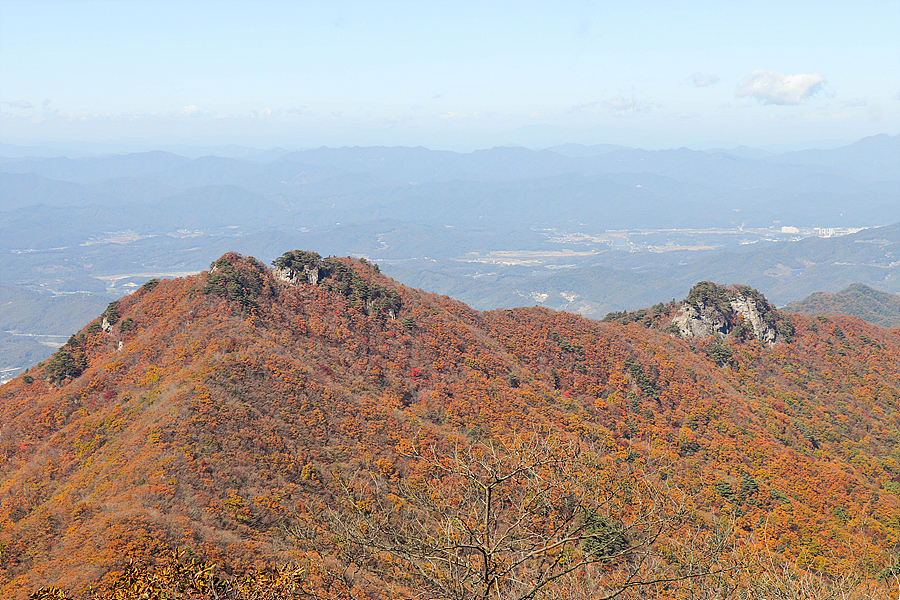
<point x="224" y="417"/>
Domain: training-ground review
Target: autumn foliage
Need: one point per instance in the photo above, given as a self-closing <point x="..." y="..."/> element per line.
<point x="234" y="409"/>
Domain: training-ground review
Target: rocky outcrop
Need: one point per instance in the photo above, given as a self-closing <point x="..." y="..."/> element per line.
<point x="294" y="276"/>
<point x="747" y="308"/>
<point x="355" y="281"/>
<point x="285" y="275"/>
<point x="711" y="309"/>
<point x="706" y="321"/>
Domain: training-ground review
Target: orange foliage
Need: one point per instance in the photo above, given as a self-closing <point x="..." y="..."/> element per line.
<point x="220" y="421"/>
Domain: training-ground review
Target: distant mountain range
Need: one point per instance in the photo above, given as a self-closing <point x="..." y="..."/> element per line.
<point x="854" y="185"/>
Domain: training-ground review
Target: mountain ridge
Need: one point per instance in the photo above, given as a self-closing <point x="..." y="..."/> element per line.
<point x="219" y="407"/>
<point x="858" y="300"/>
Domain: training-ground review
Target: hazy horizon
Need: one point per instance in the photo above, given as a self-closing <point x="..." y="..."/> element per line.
<point x="250" y="146"/>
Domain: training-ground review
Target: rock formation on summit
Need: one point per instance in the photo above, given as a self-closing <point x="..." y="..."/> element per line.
<point x="712" y="309"/>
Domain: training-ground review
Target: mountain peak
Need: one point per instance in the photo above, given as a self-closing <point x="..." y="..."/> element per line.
<point x="739" y="310"/>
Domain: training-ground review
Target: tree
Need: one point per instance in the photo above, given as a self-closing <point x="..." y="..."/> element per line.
<point x="523" y="516"/>
<point x="718" y="351"/>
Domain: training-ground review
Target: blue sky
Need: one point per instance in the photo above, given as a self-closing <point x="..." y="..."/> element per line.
<point x="453" y="75"/>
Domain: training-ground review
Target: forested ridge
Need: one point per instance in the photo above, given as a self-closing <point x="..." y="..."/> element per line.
<point x="259" y="423"/>
<point x="859" y="300"/>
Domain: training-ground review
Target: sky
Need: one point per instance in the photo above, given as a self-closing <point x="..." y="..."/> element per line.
<point x="448" y="75"/>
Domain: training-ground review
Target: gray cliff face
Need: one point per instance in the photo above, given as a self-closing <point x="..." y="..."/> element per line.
<point x="707" y="322"/>
<point x="746" y="307"/>
<point x="710" y="321"/>
<point x="285" y="275"/>
<point x="292" y="276"/>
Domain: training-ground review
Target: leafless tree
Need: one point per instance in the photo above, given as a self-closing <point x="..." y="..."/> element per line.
<point x="524" y="517"/>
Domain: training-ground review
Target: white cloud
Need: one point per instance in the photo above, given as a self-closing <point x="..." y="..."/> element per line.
<point x="19" y="104"/>
<point x="770" y="87"/>
<point x="621" y="106"/>
<point x="855" y="102"/>
<point x="704" y="79"/>
<point x="265" y="112"/>
<point x="190" y="111"/>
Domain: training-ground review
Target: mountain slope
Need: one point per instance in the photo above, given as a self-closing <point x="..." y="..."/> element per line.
<point x="216" y="411"/>
<point x="859" y="300"/>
